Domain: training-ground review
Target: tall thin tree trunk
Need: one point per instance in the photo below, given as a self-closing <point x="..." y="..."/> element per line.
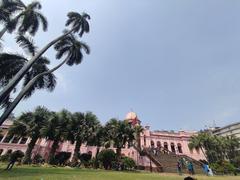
<point x="14" y="81"/>
<point x="2" y="32"/>
<point x="8" y="111"/>
<point x="76" y="152"/>
<point x="119" y="150"/>
<point x="51" y="158"/>
<point x="28" y="153"/>
<point x="96" y="163"/>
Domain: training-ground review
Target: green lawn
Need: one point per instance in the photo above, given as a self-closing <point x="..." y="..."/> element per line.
<point x="51" y="173"/>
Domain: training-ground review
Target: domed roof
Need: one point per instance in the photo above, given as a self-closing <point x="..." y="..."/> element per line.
<point x="131" y="116"/>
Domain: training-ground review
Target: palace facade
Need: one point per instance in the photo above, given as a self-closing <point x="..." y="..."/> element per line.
<point x="175" y="143"/>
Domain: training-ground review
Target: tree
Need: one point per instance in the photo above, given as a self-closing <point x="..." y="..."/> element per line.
<point x="28" y="17"/>
<point x="79" y="25"/>
<point x="68" y="46"/>
<point x="198" y="142"/>
<point x="82" y="128"/>
<point x="119" y="134"/>
<point x="55" y="130"/>
<point x="10" y="64"/>
<point x="30" y="124"/>
<point x="137" y="133"/>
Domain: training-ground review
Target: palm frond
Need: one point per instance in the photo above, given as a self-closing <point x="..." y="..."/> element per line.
<point x="27" y="44"/>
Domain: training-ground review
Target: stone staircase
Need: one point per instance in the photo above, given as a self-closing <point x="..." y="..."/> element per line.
<point x="166" y="161"/>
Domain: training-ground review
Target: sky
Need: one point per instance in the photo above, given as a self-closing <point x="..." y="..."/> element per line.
<point x="175" y="63"/>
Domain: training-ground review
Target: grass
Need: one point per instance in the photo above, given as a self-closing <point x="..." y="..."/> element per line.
<point x="53" y="173"/>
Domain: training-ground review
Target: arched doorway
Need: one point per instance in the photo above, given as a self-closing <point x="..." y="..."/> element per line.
<point x="179" y="146"/>
<point x="173" y="148"/>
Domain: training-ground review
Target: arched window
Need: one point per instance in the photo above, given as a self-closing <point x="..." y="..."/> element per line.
<point x="1" y="137"/>
<point x="9" y="151"/>
<point x="144" y="140"/>
<point x="152" y="144"/>
<point x="23" y="140"/>
<point x="173" y="148"/>
<point x="179" y="146"/>
<point x="15" y="139"/>
<point x="165" y="144"/>
<point x="7" y="138"/>
<point x="158" y="144"/>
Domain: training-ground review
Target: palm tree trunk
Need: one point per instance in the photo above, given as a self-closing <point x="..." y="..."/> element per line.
<point x="8" y="111"/>
<point x="2" y="32"/>
<point x="28" y="153"/>
<point x="11" y="85"/>
<point x="203" y="153"/>
<point x="119" y="150"/>
<point x="51" y="158"/>
<point x="76" y="152"/>
<point x="96" y="163"/>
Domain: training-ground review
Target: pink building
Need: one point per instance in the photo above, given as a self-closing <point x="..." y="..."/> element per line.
<point x="167" y="143"/>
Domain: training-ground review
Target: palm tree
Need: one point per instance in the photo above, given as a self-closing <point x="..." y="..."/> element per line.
<point x="83" y="127"/>
<point x="28" y="18"/>
<point x="79" y="24"/>
<point x="119" y="133"/>
<point x="232" y="146"/>
<point x="30" y="124"/>
<point x="10" y="64"/>
<point x="138" y="129"/>
<point x="197" y="142"/>
<point x="56" y="131"/>
<point x="68" y="46"/>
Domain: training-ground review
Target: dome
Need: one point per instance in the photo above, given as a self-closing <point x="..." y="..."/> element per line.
<point x="131" y="116"/>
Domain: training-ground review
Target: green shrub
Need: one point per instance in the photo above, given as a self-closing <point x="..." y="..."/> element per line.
<point x="5" y="158"/>
<point x="223" y="167"/>
<point x="85" y="159"/>
<point x="38" y="159"/>
<point x="107" y="158"/>
<point x="128" y="163"/>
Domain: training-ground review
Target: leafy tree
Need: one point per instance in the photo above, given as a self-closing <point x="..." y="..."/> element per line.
<point x="82" y="128"/>
<point x="28" y="17"/>
<point x="30" y="124"/>
<point x="79" y="24"/>
<point x="119" y="134"/>
<point x="55" y="130"/>
<point x="68" y="46"/>
<point x="10" y="64"/>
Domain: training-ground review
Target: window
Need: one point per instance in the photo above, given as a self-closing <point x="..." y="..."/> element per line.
<point x="179" y="146"/>
<point x="15" y="140"/>
<point x="9" y="151"/>
<point x="1" y="137"/>
<point x="144" y="140"/>
<point x="165" y="144"/>
<point x="7" y="139"/>
<point x="23" y="140"/>
<point x="173" y="148"/>
<point x="152" y="144"/>
<point x="158" y="144"/>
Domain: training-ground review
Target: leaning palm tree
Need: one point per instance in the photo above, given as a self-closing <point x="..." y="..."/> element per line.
<point x="69" y="48"/>
<point x="79" y="24"/>
<point x="10" y="64"/>
<point x="27" y="18"/>
<point x="199" y="141"/>
<point x="30" y="124"/>
<point x="82" y="128"/>
<point x="55" y="131"/>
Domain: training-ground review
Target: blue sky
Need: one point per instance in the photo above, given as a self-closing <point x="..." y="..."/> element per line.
<point x="175" y="63"/>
